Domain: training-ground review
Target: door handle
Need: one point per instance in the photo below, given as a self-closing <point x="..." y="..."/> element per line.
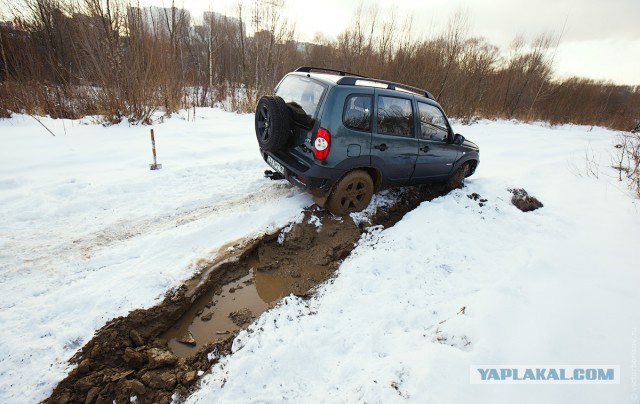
<point x="424" y="149"/>
<point x="381" y="147"/>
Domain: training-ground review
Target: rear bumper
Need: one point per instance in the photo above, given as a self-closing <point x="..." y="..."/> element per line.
<point x="314" y="178"/>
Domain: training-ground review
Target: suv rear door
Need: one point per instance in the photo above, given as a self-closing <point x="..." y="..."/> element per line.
<point x="394" y="148"/>
<point x="303" y="96"/>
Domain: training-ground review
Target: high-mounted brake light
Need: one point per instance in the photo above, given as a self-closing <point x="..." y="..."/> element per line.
<point x="321" y="144"/>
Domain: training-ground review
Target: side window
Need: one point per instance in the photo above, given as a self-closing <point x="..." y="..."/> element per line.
<point x="433" y="124"/>
<point x="357" y="112"/>
<point x="395" y="116"/>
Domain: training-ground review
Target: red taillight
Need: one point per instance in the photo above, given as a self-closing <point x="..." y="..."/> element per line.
<point x="321" y="144"/>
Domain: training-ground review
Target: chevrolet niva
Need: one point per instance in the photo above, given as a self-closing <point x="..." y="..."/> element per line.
<point x="343" y="137"/>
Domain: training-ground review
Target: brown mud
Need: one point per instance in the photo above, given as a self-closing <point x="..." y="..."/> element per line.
<point x="155" y="353"/>
<point x="523" y="201"/>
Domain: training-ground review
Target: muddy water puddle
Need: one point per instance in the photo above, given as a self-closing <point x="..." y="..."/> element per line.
<point x="220" y="312"/>
<point x="298" y="259"/>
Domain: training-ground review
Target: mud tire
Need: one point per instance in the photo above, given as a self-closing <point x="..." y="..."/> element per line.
<point x="457" y="179"/>
<point x="351" y="194"/>
<point x="272" y="123"/>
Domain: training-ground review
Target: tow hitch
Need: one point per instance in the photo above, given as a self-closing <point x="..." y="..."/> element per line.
<point x="272" y="175"/>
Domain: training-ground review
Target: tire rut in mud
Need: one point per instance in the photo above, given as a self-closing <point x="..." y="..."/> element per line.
<point x="154" y="354"/>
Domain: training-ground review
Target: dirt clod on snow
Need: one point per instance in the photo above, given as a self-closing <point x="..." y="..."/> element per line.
<point x="523" y="201"/>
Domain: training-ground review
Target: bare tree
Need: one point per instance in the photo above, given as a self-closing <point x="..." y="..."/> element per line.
<point x="452" y="40"/>
<point x="69" y="58"/>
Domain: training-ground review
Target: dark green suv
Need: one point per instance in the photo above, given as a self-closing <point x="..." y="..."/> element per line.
<point x="343" y="136"/>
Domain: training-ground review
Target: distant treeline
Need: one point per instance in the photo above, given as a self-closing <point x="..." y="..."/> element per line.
<point x="118" y="60"/>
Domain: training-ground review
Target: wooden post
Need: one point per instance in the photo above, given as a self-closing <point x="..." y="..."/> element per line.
<point x="155" y="165"/>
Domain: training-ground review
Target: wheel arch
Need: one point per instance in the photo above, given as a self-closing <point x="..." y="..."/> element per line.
<point x="473" y="164"/>
<point x="373" y="172"/>
<point x="375" y="175"/>
<point x="471" y="158"/>
<point x="320" y="197"/>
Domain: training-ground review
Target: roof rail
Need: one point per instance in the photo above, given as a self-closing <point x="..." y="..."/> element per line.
<point x="352" y="79"/>
<point x="391" y="85"/>
<point x="308" y="69"/>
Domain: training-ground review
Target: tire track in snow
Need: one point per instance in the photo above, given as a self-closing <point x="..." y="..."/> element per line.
<point x="44" y="254"/>
<point x="123" y="231"/>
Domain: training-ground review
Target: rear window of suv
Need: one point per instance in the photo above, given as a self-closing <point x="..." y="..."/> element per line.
<point x="301" y="92"/>
<point x="357" y="112"/>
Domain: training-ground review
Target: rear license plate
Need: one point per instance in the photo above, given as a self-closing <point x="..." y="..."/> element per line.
<point x="276" y="166"/>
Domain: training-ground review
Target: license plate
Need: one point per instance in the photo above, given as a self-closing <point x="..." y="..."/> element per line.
<point x="276" y="166"/>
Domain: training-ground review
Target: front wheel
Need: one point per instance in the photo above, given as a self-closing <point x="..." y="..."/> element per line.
<point x="457" y="179"/>
<point x="351" y="194"/>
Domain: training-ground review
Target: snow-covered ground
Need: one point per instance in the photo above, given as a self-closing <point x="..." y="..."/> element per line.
<point x="88" y="233"/>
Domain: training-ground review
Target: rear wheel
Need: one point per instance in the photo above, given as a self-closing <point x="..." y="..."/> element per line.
<point x="273" y="123"/>
<point x="351" y="194"/>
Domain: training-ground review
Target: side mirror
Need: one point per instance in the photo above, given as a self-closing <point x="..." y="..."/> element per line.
<point x="458" y="139"/>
